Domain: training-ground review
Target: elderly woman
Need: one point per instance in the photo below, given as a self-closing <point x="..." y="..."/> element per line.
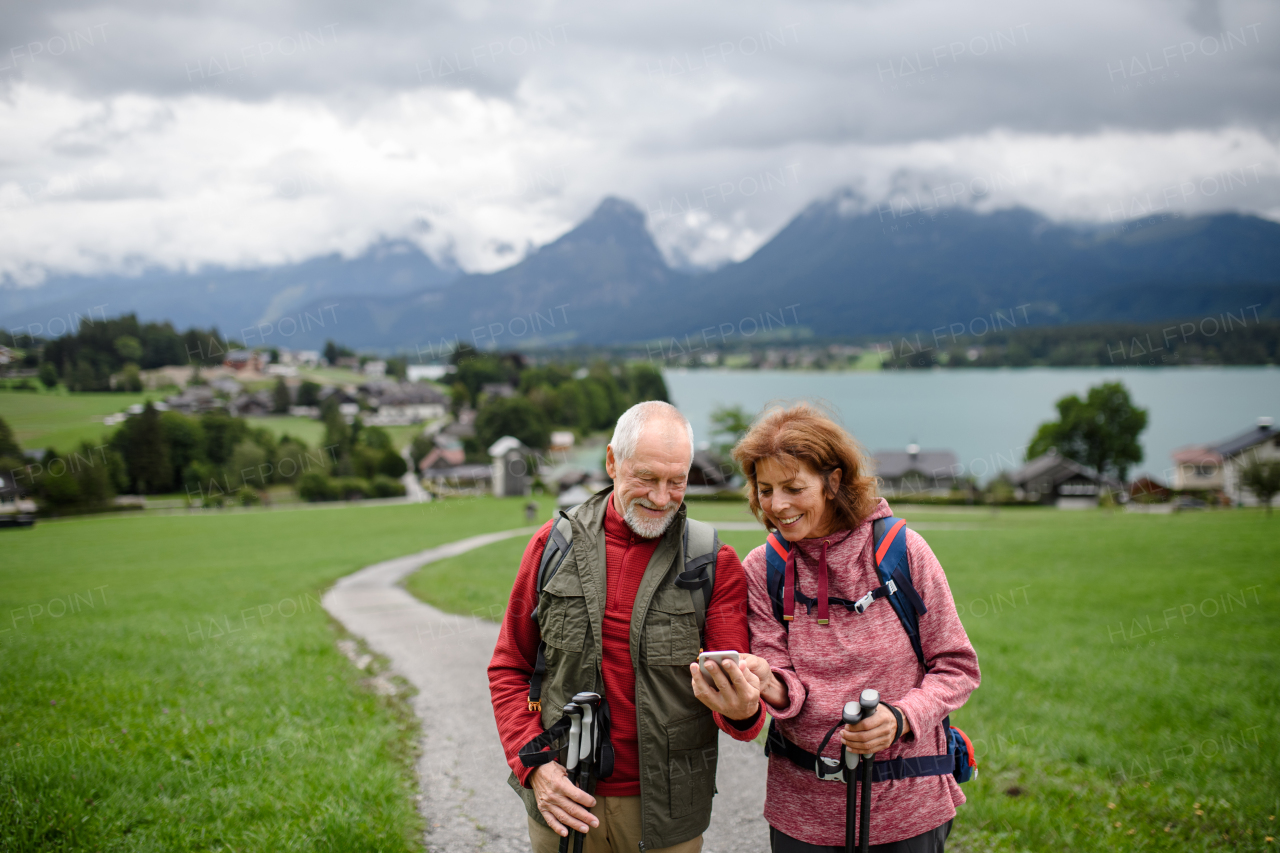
<point x="809" y="481"/>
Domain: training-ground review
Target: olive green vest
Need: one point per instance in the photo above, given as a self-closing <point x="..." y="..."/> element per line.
<point x="677" y="735"/>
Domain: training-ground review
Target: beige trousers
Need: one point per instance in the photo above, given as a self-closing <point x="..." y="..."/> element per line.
<point x="618" y="832"/>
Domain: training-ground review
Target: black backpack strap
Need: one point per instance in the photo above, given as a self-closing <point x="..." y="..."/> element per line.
<point x="830" y="769"/>
<point x="554" y="552"/>
<point x="701" y="546"/>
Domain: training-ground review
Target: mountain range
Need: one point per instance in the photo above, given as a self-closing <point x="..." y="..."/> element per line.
<point x="837" y="269"/>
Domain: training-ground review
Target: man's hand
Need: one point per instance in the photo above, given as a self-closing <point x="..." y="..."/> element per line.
<point x="733" y="692"/>
<point x="874" y="734"/>
<point x="562" y="803"/>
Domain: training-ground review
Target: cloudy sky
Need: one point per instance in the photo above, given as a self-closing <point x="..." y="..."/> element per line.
<point x="238" y="133"/>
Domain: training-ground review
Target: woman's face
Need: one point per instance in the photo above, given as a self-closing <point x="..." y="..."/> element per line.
<point x="794" y="499"/>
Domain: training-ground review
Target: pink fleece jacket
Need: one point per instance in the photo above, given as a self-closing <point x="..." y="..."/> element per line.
<point x="825" y="666"/>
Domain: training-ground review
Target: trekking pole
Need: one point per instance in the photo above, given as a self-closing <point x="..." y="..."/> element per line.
<point x="852" y="714"/>
<point x="574" y="713"/>
<point x="855" y="712"/>
<point x="589" y="747"/>
<point x="869" y="701"/>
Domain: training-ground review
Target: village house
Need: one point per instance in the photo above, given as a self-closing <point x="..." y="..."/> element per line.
<point x="303" y="357"/>
<point x="195" y="400"/>
<point x="243" y="359"/>
<point x="916" y="472"/>
<point x="1055" y="480"/>
<point x="401" y="403"/>
<point x="432" y="372"/>
<point x="1217" y="467"/>
<point x="255" y="403"/>
<point x="708" y="473"/>
<point x="447" y="452"/>
<point x="1262" y="443"/>
<point x="1197" y="468"/>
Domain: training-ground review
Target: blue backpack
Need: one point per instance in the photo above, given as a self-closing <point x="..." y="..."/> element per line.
<point x="894" y="571"/>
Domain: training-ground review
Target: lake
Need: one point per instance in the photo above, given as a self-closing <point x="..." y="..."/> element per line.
<point x="987" y="417"/>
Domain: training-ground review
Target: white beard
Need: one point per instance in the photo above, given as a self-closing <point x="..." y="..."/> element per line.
<point x="648" y="528"/>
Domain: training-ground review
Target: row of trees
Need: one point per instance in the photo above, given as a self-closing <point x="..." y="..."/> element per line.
<point x="86" y="360"/>
<point x="1221" y="339"/>
<point x="86" y="478"/>
<point x="213" y="458"/>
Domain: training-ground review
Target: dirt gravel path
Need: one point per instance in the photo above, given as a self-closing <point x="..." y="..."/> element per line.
<point x="462" y="771"/>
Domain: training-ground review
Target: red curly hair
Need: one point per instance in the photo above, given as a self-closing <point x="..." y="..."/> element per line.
<point x="802" y="434"/>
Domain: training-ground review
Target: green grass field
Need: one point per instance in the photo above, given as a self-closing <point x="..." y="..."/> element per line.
<point x="309" y="430"/>
<point x="1130" y="694"/>
<point x="63" y="420"/>
<point x="171" y="683"/>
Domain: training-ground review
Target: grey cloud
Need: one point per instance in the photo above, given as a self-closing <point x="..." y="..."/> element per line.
<point x="865" y="72"/>
<point x="678" y="106"/>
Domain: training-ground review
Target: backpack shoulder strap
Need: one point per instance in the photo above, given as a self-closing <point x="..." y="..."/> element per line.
<point x="554" y="553"/>
<point x="701" y="545"/>
<point x="889" y="538"/>
<point x="776" y="550"/>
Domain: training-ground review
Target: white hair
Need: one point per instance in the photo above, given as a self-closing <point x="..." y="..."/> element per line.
<point x="626" y="433"/>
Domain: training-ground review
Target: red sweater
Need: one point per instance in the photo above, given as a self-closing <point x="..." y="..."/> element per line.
<point x="825" y="666"/>
<point x="626" y="556"/>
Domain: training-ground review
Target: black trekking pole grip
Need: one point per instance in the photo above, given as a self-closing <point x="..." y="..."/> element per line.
<point x="869" y="701"/>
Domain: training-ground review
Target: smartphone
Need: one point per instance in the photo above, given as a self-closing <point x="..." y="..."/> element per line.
<point x="718" y="657"/>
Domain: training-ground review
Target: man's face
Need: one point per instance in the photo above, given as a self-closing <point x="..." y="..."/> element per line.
<point x="649" y="487"/>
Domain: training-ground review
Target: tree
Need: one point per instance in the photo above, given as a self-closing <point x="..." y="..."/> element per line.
<point x="48" y="374"/>
<point x="459" y="397"/>
<point x="391" y="464"/>
<point x="129" y="348"/>
<point x="337" y="433"/>
<point x="732" y="422"/>
<point x="8" y="444"/>
<point x="648" y="384"/>
<point x="186" y="440"/>
<point x="422" y="445"/>
<point x="1262" y="477"/>
<point x="280" y="397"/>
<point x="1100" y="431"/>
<point x="129" y="379"/>
<point x="248" y="466"/>
<point x="515" y="416"/>
<point x="147" y="453"/>
<point x="333" y="352"/>
<point x="308" y="394"/>
<point x="222" y="434"/>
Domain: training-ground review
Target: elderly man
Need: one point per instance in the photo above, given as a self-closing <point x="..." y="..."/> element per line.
<point x="613" y="620"/>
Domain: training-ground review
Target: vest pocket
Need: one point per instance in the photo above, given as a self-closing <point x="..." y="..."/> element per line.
<point x="672" y="636"/>
<point x="691" y="756"/>
<point x="562" y="615"/>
